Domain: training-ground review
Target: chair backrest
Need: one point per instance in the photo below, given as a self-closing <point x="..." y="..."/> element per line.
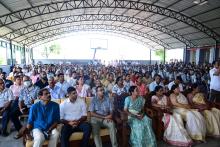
<point x="58" y="101"/>
<point x="119" y="101"/>
<point x="88" y="102"/>
<point x="148" y="99"/>
<point x="62" y="99"/>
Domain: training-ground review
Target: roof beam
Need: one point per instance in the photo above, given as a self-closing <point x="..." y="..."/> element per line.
<point x="78" y="4"/>
<point x="132" y="38"/>
<point x="116" y="28"/>
<point x="71" y="29"/>
<point x="11" y="12"/>
<point x="79" y="18"/>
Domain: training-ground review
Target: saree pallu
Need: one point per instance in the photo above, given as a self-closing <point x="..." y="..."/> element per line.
<point x="142" y="134"/>
<point x="195" y="123"/>
<point x="175" y="133"/>
<point x="212" y="118"/>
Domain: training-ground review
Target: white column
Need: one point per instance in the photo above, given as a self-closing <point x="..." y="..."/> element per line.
<point x="197" y="55"/>
<point x="212" y="55"/>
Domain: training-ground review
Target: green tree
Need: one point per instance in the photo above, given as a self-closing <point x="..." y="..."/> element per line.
<point x="52" y="49"/>
<point x="1" y="60"/>
<point x="160" y="53"/>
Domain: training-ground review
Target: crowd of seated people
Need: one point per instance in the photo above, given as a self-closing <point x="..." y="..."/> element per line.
<point x="180" y="90"/>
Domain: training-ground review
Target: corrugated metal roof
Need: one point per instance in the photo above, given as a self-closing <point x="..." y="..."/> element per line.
<point x="172" y="23"/>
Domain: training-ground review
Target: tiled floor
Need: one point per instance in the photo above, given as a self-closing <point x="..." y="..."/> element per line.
<point x="11" y="142"/>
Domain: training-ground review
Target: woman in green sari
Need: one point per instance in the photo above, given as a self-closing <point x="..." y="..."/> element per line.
<point x="141" y="126"/>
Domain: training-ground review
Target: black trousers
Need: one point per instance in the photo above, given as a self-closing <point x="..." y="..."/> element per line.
<point x="215" y="96"/>
<point x="67" y="130"/>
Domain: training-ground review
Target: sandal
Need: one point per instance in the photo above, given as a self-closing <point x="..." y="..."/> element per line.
<point x="29" y="137"/>
<point x="17" y="136"/>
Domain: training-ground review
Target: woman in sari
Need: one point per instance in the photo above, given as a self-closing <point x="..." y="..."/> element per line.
<point x="143" y="91"/>
<point x="195" y="123"/>
<point x="83" y="90"/>
<point x="175" y="133"/>
<point x="141" y="128"/>
<point x="211" y="115"/>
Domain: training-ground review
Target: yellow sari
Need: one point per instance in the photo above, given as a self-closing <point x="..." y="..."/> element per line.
<point x="212" y="117"/>
<point x="195" y="123"/>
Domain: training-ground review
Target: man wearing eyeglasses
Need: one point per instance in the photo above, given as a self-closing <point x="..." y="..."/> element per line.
<point x="6" y="97"/>
<point x="101" y="116"/>
<point x="43" y="119"/>
<point x="73" y="115"/>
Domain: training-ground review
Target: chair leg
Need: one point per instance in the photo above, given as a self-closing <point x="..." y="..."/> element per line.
<point x="9" y="126"/>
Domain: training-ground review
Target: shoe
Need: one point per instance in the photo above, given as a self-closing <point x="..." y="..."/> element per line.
<point x="17" y="136"/>
<point x="5" y="134"/>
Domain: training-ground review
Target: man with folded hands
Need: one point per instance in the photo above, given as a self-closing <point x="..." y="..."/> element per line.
<point x="43" y="119"/>
<point x="101" y="116"/>
<point x="73" y="115"/>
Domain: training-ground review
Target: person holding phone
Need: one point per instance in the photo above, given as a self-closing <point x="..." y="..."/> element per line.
<point x="43" y="119"/>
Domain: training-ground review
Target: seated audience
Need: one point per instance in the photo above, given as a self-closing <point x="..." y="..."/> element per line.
<point x="7" y="82"/>
<point x="156" y="82"/>
<point x="17" y="86"/>
<point x="195" y="122"/>
<point x="43" y="119"/>
<point x="175" y="133"/>
<point x="211" y="114"/>
<point x="55" y="91"/>
<point x="6" y="100"/>
<point x="64" y="85"/>
<point x="83" y="90"/>
<point x="27" y="96"/>
<point x="141" y="126"/>
<point x="43" y="81"/>
<point x="177" y="81"/>
<point x="73" y="115"/>
<point x="101" y="116"/>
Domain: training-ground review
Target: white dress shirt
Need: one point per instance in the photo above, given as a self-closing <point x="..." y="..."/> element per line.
<point x="5" y="96"/>
<point x="153" y="85"/>
<point x="64" y="86"/>
<point x="72" y="111"/>
<point x="172" y="83"/>
<point x="215" y="80"/>
<point x="56" y="92"/>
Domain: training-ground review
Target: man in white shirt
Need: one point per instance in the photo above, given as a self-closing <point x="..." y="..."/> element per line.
<point x="156" y="82"/>
<point x="215" y="82"/>
<point x="73" y="115"/>
<point x="64" y="85"/>
<point x="177" y="81"/>
<point x="6" y="98"/>
<point x="55" y="91"/>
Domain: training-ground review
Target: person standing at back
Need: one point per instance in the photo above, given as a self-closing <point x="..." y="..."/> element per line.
<point x="215" y="82"/>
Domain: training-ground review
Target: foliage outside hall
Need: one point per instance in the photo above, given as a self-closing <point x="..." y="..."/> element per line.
<point x="79" y="47"/>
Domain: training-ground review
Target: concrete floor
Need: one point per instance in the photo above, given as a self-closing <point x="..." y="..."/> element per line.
<point x="11" y="142"/>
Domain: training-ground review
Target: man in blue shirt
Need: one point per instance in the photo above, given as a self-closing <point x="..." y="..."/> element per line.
<point x="101" y="116"/>
<point x="43" y="119"/>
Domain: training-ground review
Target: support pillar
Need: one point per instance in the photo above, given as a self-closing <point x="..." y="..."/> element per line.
<point x="184" y="54"/>
<point x="197" y="55"/>
<point x="164" y="55"/>
<point x="10" y="45"/>
<point x="216" y="50"/>
<point x="31" y="56"/>
<point x="24" y="49"/>
<point x="150" y="56"/>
